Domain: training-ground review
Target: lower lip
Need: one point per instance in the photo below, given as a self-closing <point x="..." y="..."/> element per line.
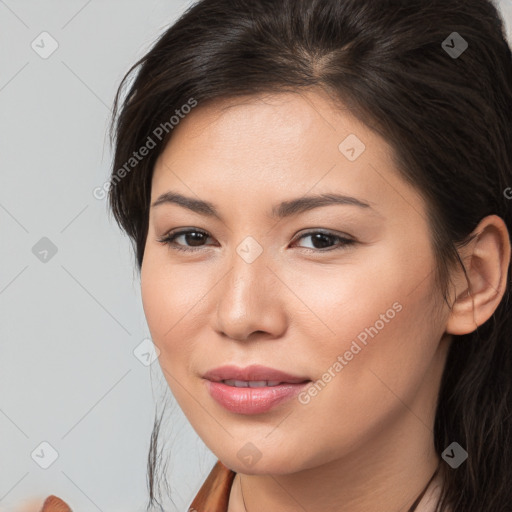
<point x="252" y="400"/>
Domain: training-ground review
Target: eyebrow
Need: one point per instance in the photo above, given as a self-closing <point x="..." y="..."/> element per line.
<point x="280" y="211"/>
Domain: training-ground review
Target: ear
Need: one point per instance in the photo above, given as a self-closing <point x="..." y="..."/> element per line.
<point x="486" y="260"/>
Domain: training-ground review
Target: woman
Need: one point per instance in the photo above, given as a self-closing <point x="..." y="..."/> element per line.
<point x="318" y="193"/>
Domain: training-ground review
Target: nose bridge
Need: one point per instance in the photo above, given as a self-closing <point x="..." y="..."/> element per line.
<point x="248" y="299"/>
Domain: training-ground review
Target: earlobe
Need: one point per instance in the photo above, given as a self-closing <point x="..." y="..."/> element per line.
<point x="487" y="263"/>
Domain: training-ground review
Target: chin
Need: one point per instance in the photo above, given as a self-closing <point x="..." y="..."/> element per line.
<point x="278" y="462"/>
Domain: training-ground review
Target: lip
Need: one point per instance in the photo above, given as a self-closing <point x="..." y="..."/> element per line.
<point x="253" y="372"/>
<point x="252" y="400"/>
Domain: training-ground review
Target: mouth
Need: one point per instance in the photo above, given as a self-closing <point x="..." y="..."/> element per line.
<point x="252" y="383"/>
<point x="255" y="373"/>
<point x="252" y="390"/>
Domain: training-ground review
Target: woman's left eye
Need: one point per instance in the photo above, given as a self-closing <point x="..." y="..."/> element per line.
<point x="322" y="237"/>
<point x="195" y="237"/>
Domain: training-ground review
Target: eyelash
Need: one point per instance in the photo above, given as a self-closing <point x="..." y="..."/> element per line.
<point x="170" y="237"/>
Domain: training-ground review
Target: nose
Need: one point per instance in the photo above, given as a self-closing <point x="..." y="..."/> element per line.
<point x="250" y="301"/>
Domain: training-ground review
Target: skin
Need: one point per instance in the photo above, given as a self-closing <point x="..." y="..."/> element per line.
<point x="365" y="441"/>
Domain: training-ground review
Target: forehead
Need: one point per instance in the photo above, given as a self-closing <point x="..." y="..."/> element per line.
<point x="279" y="145"/>
<point x="280" y="125"/>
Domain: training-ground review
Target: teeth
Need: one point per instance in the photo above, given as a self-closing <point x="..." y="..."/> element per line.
<point x="257" y="383"/>
<point x="251" y="384"/>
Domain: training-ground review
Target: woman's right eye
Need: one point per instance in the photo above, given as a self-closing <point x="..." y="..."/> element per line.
<point x="192" y="236"/>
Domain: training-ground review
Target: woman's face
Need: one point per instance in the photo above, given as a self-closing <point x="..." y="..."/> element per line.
<point x="269" y="279"/>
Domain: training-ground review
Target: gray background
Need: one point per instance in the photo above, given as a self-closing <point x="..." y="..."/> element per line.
<point x="71" y="321"/>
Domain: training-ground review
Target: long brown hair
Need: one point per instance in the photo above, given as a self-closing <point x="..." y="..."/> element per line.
<point x="434" y="79"/>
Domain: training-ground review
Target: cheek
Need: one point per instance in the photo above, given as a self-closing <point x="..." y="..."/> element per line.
<point x="360" y="297"/>
<point x="169" y="297"/>
<point x="175" y="299"/>
<point x="169" y="300"/>
<point x="379" y="323"/>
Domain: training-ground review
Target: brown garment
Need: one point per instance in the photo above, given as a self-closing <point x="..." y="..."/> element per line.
<point x="212" y="497"/>
<point x="214" y="493"/>
<point x="54" y="504"/>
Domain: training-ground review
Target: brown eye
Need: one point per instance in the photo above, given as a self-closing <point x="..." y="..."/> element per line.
<point x="191" y="238"/>
<point x="323" y="241"/>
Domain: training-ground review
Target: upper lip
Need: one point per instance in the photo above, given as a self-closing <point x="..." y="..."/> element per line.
<point x="251" y="373"/>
